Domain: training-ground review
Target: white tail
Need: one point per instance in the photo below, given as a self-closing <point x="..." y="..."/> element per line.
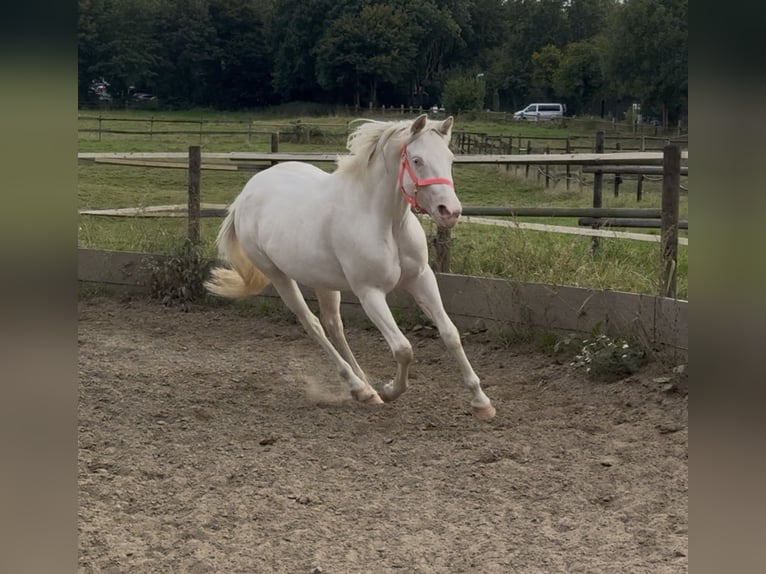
<point x="245" y="278"/>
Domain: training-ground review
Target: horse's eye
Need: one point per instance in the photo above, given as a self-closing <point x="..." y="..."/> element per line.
<point x="417" y="161"/>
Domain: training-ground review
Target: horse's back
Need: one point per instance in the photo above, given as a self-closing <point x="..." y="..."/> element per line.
<point x="282" y="219"/>
<point x="287" y="178"/>
<point x="283" y="192"/>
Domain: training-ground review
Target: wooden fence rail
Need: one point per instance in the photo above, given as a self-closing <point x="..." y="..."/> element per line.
<point x="584" y="159"/>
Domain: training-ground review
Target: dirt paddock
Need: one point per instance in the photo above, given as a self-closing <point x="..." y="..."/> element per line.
<point x="214" y="440"/>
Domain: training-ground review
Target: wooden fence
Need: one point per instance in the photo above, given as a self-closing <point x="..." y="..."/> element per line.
<point x="464" y="142"/>
<point x="669" y="161"/>
<point x="483" y="143"/>
<point x="159" y="127"/>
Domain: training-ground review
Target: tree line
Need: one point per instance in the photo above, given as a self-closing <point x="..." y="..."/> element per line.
<point x="460" y="54"/>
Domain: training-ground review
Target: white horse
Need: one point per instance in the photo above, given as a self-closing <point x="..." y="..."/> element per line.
<point x="352" y="230"/>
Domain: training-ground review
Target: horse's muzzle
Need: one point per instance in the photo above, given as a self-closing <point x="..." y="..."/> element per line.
<point x="447" y="217"/>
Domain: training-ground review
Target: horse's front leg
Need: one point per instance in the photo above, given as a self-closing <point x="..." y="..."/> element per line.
<point x="375" y="306"/>
<point x="425" y="291"/>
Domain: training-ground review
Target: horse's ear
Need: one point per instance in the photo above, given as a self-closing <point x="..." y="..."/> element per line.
<point x="418" y="124"/>
<point x="446" y="126"/>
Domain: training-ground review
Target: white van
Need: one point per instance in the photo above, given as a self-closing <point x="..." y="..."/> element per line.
<point x="538" y="112"/>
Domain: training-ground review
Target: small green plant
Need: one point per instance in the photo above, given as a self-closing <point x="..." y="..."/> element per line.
<point x="179" y="278"/>
<point x="562" y="344"/>
<point x="609" y="359"/>
<point x="507" y="337"/>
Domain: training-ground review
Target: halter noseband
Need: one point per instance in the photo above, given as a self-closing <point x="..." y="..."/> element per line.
<point x="405" y="166"/>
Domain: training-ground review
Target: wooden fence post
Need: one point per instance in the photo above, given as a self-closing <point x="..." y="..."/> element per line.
<point x="598" y="183"/>
<point x="547" y="168"/>
<point x="529" y="151"/>
<point x="640" y="178"/>
<point x="617" y="176"/>
<point x="195" y="164"/>
<point x="671" y="183"/>
<point x="568" y="151"/>
<point x="274" y="145"/>
<point x="442" y="250"/>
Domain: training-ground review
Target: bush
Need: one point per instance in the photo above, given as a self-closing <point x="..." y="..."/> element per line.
<point x="179" y="278"/>
<point x="463" y="94"/>
<point x="610" y="359"/>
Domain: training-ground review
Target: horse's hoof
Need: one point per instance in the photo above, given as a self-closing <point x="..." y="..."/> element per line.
<point x="367" y="396"/>
<point x="484" y="413"/>
<point x="373" y="399"/>
<point x="387" y="392"/>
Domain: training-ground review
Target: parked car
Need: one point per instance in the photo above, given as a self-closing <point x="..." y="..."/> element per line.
<point x="143" y="96"/>
<point x="540" y="111"/>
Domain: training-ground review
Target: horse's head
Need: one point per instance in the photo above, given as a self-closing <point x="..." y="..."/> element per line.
<point x="425" y="172"/>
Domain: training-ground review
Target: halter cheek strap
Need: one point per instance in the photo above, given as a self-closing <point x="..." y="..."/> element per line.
<point x="413" y="200"/>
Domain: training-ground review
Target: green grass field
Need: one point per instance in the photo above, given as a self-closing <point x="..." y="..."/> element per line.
<point x="524" y="255"/>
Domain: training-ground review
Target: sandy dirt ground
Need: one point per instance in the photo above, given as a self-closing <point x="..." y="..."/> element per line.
<point x="214" y="440"/>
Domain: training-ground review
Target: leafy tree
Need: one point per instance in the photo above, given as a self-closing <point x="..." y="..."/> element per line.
<point x="436" y="36"/>
<point x="364" y="48"/>
<point x="579" y="78"/>
<point x="545" y="65"/>
<point x="187" y="54"/>
<point x="127" y="48"/>
<point x="645" y="54"/>
<point x="486" y="33"/>
<point x="531" y="26"/>
<point x="242" y="72"/>
<point x="298" y="27"/>
<point x="547" y="24"/>
<point x="586" y="18"/>
<point x="481" y="27"/>
<point x="463" y="93"/>
<point x="88" y="39"/>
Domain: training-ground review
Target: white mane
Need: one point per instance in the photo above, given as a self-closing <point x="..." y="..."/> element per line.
<point x="366" y="141"/>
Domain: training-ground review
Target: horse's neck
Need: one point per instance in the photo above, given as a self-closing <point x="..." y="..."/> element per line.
<point x="377" y="190"/>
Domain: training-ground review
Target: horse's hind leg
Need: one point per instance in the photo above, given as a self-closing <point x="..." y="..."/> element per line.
<point x="291" y="295"/>
<point x="374" y="304"/>
<point x="329" y="315"/>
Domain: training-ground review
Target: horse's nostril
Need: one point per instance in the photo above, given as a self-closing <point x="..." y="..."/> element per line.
<point x="444" y="211"/>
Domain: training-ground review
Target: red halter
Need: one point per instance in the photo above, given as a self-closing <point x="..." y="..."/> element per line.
<point x="405" y="166"/>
